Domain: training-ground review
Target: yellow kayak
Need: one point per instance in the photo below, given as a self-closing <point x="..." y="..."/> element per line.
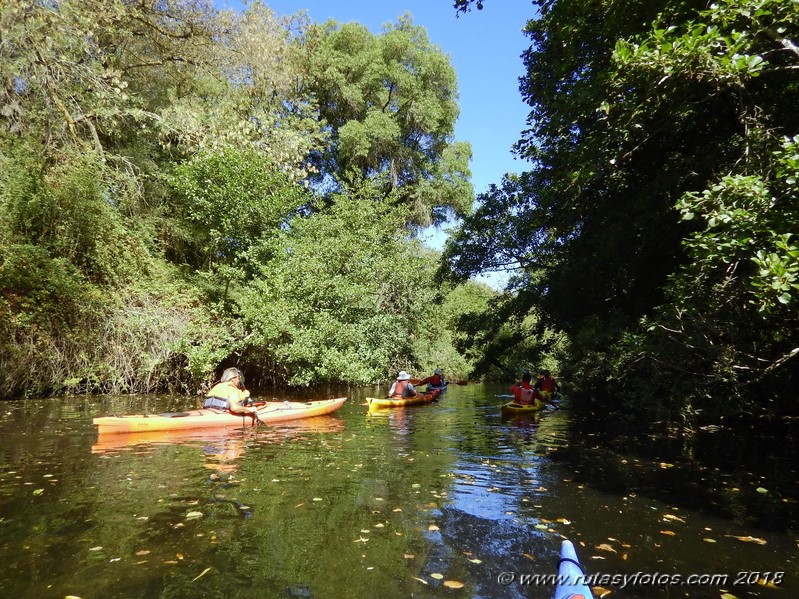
<point x="376" y="403"/>
<point x="268" y="412"/>
<point x="515" y="408"/>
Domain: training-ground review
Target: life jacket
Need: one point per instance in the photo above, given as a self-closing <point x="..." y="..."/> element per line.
<point x="219" y="396"/>
<point x="401" y="390"/>
<point x="216" y="402"/>
<point x="548" y="384"/>
<point x="436" y="381"/>
<point x="525" y="395"/>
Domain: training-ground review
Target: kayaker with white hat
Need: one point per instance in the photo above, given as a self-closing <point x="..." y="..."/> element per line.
<point x="402" y="387"/>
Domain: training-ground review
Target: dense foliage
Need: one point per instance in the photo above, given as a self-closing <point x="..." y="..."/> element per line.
<point x="182" y="188"/>
<point x="657" y="227"/>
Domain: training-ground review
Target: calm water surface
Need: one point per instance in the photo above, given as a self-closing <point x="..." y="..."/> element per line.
<point x="398" y="503"/>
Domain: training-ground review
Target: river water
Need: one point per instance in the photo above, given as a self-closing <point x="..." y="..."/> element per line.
<point x="445" y="500"/>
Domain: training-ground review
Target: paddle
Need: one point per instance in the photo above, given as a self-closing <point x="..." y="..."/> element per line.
<point x="419" y="381"/>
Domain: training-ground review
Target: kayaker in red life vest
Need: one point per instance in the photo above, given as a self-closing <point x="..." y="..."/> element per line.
<point x="525" y="393"/>
<point x="546" y="384"/>
<point x="402" y="387"/>
<point x="229" y="394"/>
<point x="436" y="380"/>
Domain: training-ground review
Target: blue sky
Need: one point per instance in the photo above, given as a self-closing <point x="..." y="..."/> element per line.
<point x="485" y="48"/>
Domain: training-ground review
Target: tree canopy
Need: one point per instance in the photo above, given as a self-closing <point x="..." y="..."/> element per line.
<point x="656" y="226"/>
<point x="184" y="187"/>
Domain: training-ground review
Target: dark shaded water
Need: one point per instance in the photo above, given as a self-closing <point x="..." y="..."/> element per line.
<point x="392" y="504"/>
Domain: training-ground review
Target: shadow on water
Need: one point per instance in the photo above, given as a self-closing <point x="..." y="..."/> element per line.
<point x="429" y="501"/>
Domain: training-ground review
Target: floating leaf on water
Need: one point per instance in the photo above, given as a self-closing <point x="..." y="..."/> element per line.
<point x="476" y="561"/>
<point x="673" y="517"/>
<point x="397" y="509"/>
<point x="709" y="540"/>
<point x="761" y="490"/>
<point x="728" y="596"/>
<point x="606" y="547"/>
<point x="432" y="527"/>
<point x="96" y="548"/>
<point x="415" y="485"/>
<point x="541" y="526"/>
<point x="600" y="592"/>
<point x="563" y="521"/>
<point x="201" y="574"/>
<point x="38" y="492"/>
<point x="671" y="533"/>
<point x="193" y="515"/>
<point x="757" y="540"/>
<point x="143" y="552"/>
<point x="420" y="580"/>
<point x="380" y="525"/>
<point x="408" y="555"/>
<point x="299" y="505"/>
<point x="318" y="499"/>
<point x="528" y="556"/>
<point x="453" y="584"/>
<point x="437" y="576"/>
<point x="72" y="597"/>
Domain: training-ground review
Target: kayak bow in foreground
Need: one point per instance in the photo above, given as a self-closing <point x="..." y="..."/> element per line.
<point x="571" y="578"/>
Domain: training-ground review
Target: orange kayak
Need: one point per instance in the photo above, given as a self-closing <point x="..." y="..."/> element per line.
<point x="268" y="412"/>
<point x="386" y="402"/>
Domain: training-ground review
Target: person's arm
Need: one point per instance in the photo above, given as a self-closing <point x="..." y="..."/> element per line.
<point x="393" y="386"/>
<point x="411" y="389"/>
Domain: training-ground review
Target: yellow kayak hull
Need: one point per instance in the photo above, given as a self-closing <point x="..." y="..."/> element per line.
<point x="376" y="403"/>
<point x="269" y="412"/>
<point x="514" y="408"/>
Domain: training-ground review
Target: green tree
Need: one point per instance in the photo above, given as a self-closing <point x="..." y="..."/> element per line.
<point x="662" y="203"/>
<point x="389" y="103"/>
<point x="343" y="297"/>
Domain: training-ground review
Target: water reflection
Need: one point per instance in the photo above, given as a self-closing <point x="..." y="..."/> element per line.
<point x="387" y="504"/>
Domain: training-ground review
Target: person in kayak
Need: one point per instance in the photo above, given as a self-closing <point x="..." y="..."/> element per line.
<point x="546" y="385"/>
<point x="402" y="387"/>
<point x="229" y="394"/>
<point x="435" y="381"/>
<point x="524" y="393"/>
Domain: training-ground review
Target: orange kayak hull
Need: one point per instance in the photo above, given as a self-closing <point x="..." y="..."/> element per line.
<point x="268" y="413"/>
<point x="376" y="403"/>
